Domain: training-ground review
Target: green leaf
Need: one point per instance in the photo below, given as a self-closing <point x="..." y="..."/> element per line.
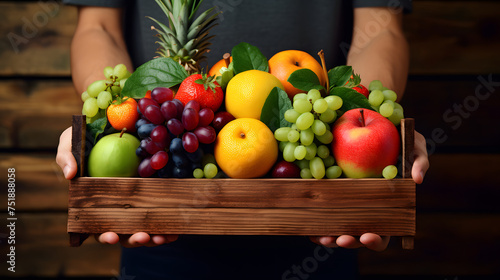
<point x="273" y="112"/>
<point x="351" y="99"/>
<point x="159" y="72"/>
<point x="305" y="79"/>
<point x="248" y="57"/>
<point x="97" y="127"/>
<point x="339" y="75"/>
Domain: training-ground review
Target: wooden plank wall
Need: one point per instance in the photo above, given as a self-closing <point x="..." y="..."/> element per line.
<point x="452" y="93"/>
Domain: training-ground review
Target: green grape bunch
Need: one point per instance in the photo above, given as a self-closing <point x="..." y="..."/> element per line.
<point x="100" y="94"/>
<point x="383" y="100"/>
<point x="308" y="139"/>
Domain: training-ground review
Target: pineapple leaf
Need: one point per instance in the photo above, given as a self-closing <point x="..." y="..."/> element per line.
<point x="163" y="6"/>
<point x="176" y="45"/>
<point x="201" y="18"/>
<point x="201" y="23"/>
<point x="189" y="45"/>
<point x="165" y="28"/>
<point x="168" y="3"/>
<point x="185" y="40"/>
<point x="181" y="32"/>
<point x="176" y="9"/>
<point x="194" y="8"/>
<point x="175" y="24"/>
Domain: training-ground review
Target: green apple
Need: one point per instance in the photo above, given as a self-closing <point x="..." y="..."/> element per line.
<point x="114" y="156"/>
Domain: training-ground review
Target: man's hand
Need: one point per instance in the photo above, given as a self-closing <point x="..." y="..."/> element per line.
<point x="136" y="240"/>
<point x="64" y="157"/>
<point x="67" y="162"/>
<point x="421" y="161"/>
<point x="369" y="240"/>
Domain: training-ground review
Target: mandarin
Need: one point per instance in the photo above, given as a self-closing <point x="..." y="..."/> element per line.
<point x="123" y="115"/>
<point x="284" y="63"/>
<point x="246" y="148"/>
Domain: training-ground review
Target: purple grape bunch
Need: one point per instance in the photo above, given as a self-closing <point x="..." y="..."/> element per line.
<point x="172" y="135"/>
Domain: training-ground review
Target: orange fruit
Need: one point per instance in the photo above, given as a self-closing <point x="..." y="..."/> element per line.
<point x="247" y="92"/>
<point x="148" y="94"/>
<point x="246" y="148"/>
<point x="123" y="115"/>
<point x="284" y="63"/>
<point x="214" y="71"/>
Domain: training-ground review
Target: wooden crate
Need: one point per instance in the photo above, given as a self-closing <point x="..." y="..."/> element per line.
<point x="326" y="207"/>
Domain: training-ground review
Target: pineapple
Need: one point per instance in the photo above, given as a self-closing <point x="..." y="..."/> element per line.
<point x="185" y="39"/>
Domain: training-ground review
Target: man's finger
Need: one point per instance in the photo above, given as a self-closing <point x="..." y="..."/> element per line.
<point x="108" y="238"/>
<point x="65" y="158"/>
<point x="374" y="241"/>
<point x="349" y="242"/>
<point x="421" y="162"/>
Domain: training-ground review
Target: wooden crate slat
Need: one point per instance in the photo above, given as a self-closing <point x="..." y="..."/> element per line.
<point x="261" y="193"/>
<point x="408" y="141"/>
<point x="241" y="221"/>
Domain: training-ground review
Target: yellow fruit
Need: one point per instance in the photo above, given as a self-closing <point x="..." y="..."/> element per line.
<point x="245" y="148"/>
<point x="247" y="92"/>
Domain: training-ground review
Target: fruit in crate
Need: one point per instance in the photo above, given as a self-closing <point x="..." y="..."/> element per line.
<point x="123" y="115"/>
<point x="247" y="92"/>
<point x="245" y="148"/>
<point x="100" y="94"/>
<point x="114" y="156"/>
<point x="215" y="70"/>
<point x="205" y="90"/>
<point x="221" y="119"/>
<point x="362" y="89"/>
<point x="167" y="125"/>
<point x="364" y="143"/>
<point x="186" y="28"/>
<point x="384" y="101"/>
<point x="309" y="136"/>
<point x="285" y="169"/>
<point x="284" y="63"/>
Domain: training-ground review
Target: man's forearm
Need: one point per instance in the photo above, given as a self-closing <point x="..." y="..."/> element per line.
<point x="94" y="48"/>
<point x="384" y="57"/>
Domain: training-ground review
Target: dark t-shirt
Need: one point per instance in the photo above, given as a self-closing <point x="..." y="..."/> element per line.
<point x="273" y="26"/>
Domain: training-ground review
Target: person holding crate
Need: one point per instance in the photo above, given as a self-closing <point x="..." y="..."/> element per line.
<point x="362" y="33"/>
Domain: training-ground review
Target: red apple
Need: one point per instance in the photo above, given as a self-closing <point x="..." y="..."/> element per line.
<point x="285" y="169"/>
<point x="364" y="142"/>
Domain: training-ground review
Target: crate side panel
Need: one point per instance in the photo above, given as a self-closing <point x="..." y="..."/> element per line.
<point x="241" y="221"/>
<point x="238" y="193"/>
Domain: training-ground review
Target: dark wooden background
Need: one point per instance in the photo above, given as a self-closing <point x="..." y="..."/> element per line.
<point x="454" y="48"/>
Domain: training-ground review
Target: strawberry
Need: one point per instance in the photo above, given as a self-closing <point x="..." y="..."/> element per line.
<point x="205" y="90"/>
<point x="362" y="89"/>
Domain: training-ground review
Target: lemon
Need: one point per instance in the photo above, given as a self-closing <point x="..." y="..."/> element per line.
<point x="247" y="92"/>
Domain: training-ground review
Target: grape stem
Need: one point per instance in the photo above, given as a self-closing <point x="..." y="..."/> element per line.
<point x="226" y="58"/>
<point x="323" y="65"/>
<point x="361" y="111"/>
